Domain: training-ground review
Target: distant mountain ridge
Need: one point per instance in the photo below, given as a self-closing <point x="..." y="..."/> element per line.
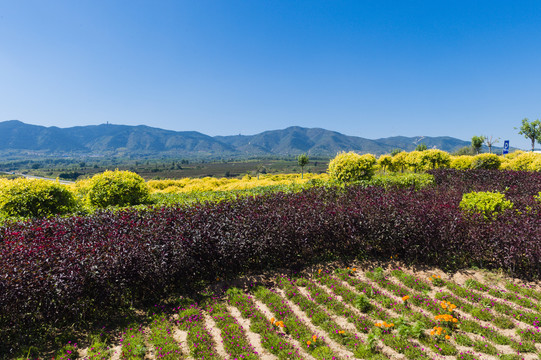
<point x="142" y="140"/>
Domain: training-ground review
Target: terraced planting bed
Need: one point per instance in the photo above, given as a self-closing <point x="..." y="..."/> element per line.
<point x="344" y="313"/>
<point x="84" y="285"/>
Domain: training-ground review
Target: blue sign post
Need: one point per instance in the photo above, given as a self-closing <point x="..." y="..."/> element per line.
<point x="506" y="147"/>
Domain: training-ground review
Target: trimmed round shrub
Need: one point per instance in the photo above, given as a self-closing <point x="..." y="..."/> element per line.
<point x="398" y="162"/>
<point x="350" y="167"/>
<point x="117" y="188"/>
<point x="462" y="162"/>
<point x="524" y="161"/>
<point x="514" y="154"/>
<point x="386" y="162"/>
<point x="434" y="159"/>
<point x="536" y="164"/>
<point x="486" y="161"/>
<point x="487" y="203"/>
<point x="33" y="198"/>
<point x="413" y="160"/>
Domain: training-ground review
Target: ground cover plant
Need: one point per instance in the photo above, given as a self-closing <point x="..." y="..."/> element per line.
<point x="82" y="270"/>
<point x="327" y="312"/>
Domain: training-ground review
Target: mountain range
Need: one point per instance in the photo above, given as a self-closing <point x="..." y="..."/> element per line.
<point x="20" y="138"/>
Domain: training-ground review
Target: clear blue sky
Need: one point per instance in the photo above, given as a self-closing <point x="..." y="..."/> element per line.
<point x="366" y="68"/>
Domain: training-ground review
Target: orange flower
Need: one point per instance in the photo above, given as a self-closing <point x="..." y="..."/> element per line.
<point x="405" y="298"/>
<point x="443" y="304"/>
<point x="341" y="331"/>
<point x="319" y="271"/>
<point x="377" y="324"/>
<point x="447" y="337"/>
<point x="272" y="320"/>
<point x="308" y="342"/>
<point x="354" y="269"/>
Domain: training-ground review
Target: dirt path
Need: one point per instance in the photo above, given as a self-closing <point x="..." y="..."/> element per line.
<point x="216" y="334"/>
<point x="510" y="333"/>
<point x="337" y="348"/>
<point x="269" y="314"/>
<point x="253" y="338"/>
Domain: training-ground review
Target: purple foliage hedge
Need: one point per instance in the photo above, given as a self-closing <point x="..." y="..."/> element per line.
<point x="65" y="269"/>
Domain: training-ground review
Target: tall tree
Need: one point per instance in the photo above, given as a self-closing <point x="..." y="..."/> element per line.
<point x="531" y="130"/>
<point x="490" y="141"/>
<point x="302" y="160"/>
<point x="477" y="142"/>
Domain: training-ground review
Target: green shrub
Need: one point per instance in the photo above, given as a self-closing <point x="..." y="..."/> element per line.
<point x="486" y="203"/>
<point x="400" y="180"/>
<point x="350" y="167"/>
<point x="117" y="188"/>
<point x="486" y="161"/>
<point x="34" y="198"/>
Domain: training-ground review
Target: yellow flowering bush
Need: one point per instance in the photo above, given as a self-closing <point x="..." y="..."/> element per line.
<point x="524" y="161"/>
<point x="34" y="198"/>
<point x="350" y="167"/>
<point x="188" y="185"/>
<point x="117" y="188"/>
<point x="486" y="161"/>
<point x="462" y="162"/>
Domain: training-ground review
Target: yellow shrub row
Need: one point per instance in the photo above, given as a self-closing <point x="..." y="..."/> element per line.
<point x="421" y="160"/>
<point x="226" y="184"/>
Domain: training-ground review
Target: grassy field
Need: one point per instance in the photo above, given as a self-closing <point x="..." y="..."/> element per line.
<point x="164" y="169"/>
<point x="330" y="312"/>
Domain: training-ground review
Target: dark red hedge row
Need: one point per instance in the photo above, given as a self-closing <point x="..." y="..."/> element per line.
<point x="59" y="270"/>
<point x="516" y="184"/>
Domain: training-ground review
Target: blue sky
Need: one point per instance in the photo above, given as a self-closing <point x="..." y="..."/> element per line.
<point x="365" y="68"/>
